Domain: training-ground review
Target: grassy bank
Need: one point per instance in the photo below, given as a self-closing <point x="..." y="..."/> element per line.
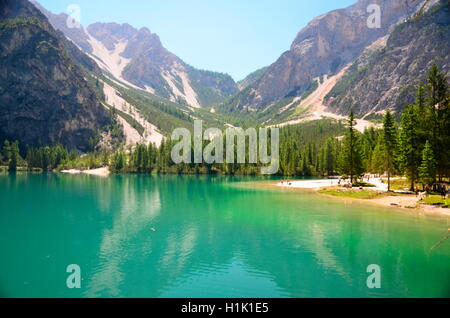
<point x="436" y="200"/>
<point x="353" y="193"/>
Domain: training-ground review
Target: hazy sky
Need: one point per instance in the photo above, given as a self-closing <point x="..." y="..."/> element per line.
<point x="231" y="36"/>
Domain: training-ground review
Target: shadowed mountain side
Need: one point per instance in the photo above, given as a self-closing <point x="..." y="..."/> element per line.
<point x="44" y="96"/>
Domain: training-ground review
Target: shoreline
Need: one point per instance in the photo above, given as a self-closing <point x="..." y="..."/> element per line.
<point x="100" y="172"/>
<point x="399" y="201"/>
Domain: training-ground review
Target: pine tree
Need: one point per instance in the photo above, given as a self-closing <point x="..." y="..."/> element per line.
<point x="118" y="162"/>
<point x="438" y="115"/>
<point x="378" y="162"/>
<point x="410" y="147"/>
<point x="427" y="170"/>
<point x="350" y="163"/>
<point x="6" y="151"/>
<point x="328" y="157"/>
<point x="368" y="142"/>
<point x="14" y="156"/>
<point x="437" y="86"/>
<point x="30" y="158"/>
<point x="389" y="143"/>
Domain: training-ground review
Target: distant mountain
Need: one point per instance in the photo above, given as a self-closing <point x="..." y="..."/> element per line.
<point x="252" y="78"/>
<point x="387" y="76"/>
<point x="45" y="97"/>
<point x="138" y="58"/>
<point x="321" y="50"/>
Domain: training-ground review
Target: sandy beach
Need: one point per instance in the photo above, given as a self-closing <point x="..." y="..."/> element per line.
<point x="100" y="172"/>
<point x="318" y="184"/>
<point x="397" y="201"/>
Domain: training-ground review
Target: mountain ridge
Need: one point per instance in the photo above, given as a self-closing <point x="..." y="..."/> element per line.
<point x="324" y="47"/>
<point x="143" y="62"/>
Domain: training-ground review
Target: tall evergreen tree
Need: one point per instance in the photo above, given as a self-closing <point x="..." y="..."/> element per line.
<point x="328" y="158"/>
<point x="410" y="148"/>
<point x="438" y="115"/>
<point x="378" y="162"/>
<point x="427" y="170"/>
<point x="14" y="156"/>
<point x="6" y="151"/>
<point x="350" y="163"/>
<point x="118" y="162"/>
<point x="389" y="143"/>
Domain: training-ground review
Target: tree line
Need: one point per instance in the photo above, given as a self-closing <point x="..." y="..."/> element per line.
<point x="44" y="158"/>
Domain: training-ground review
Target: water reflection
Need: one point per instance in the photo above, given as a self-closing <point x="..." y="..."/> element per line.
<point x="221" y="237"/>
<point x="182" y="236"/>
<point x="134" y="204"/>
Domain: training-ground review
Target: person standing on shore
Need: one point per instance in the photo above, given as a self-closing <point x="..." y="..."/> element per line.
<point x="427" y="190"/>
<point x="443" y="192"/>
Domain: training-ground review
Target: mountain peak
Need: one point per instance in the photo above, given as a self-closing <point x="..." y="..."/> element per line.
<point x="111" y="33"/>
<point x="145" y="31"/>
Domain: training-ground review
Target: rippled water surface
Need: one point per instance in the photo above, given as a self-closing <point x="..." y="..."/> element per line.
<point x="186" y="236"/>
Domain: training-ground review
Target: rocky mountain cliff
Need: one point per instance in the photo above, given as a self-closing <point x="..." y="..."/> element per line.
<point x="324" y="47"/>
<point x="387" y="76"/>
<point x="44" y="96"/>
<point x="138" y="58"/>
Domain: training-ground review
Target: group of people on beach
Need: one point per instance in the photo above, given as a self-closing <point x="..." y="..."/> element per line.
<point x="287" y="182"/>
<point x="347" y="183"/>
<point x="441" y="188"/>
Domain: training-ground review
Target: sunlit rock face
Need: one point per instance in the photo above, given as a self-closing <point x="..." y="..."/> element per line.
<point x="324" y="47"/>
<point x="386" y="76"/>
<point x="137" y="57"/>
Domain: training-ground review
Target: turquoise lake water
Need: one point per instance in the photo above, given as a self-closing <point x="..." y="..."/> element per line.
<point x="189" y="236"/>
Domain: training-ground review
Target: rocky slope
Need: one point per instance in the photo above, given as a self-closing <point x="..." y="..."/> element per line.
<point x="324" y="47"/>
<point x="386" y="76"/>
<point x="44" y="96"/>
<point x="59" y="22"/>
<point x="138" y="58"/>
<point x="252" y="78"/>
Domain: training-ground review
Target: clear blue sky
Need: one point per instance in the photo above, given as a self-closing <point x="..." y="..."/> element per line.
<point x="231" y="36"/>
